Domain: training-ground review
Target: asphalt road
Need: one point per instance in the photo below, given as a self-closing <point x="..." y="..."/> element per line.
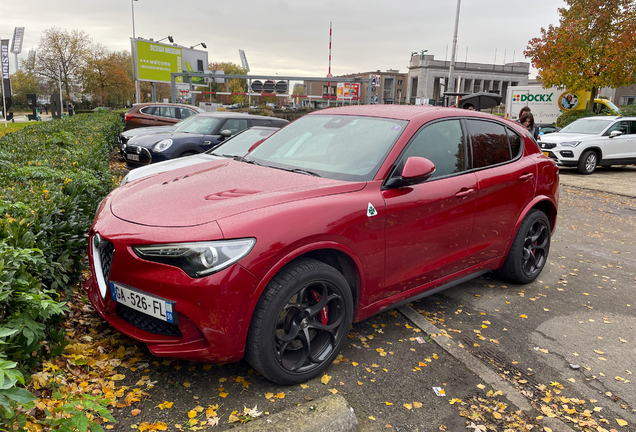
<point x="570" y="335"/>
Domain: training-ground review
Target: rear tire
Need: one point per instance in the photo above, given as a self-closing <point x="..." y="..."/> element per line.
<point x="301" y="322"/>
<point x="587" y="162"/>
<point x="529" y="251"/>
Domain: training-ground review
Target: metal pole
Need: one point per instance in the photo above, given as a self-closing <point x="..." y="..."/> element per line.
<point x="59" y="81"/>
<point x="4" y="105"/>
<point x="137" y="87"/>
<point x="452" y="66"/>
<point x="153" y="91"/>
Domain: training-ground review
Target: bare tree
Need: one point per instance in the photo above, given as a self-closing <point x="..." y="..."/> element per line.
<point x="65" y="51"/>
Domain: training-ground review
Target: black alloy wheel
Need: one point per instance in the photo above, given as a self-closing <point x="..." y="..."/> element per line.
<point x="300" y="323"/>
<point x="529" y="251"/>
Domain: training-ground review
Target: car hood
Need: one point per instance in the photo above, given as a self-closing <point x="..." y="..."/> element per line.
<point x="147" y="131"/>
<point x="559" y="137"/>
<point x="169" y="165"/>
<point x="176" y="137"/>
<point x="203" y="193"/>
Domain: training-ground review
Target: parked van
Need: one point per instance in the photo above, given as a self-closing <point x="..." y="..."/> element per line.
<point x="547" y="104"/>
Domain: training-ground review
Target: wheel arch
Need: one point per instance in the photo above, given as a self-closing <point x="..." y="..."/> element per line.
<point x="543" y="203"/>
<point x="337" y="255"/>
<point x="595" y="149"/>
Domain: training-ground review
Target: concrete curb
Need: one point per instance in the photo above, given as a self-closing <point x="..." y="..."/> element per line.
<point x="328" y="414"/>
<point x="481" y="370"/>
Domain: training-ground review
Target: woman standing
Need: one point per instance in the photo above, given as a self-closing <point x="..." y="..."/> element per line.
<point x="527" y="120"/>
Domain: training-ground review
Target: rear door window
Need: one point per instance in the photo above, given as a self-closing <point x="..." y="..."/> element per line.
<point x="489" y="143"/>
<point x="166" y="111"/>
<point x="235" y="125"/>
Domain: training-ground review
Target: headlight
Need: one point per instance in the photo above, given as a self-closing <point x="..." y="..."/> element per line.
<point x="162" y="145"/>
<point x="570" y="143"/>
<point x="198" y="259"/>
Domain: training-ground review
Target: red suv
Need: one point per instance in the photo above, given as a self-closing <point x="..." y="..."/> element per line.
<point x="158" y="114"/>
<point x="335" y="217"/>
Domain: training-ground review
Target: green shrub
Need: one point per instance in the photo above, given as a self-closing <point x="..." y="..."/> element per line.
<point x="629" y="110"/>
<point x="569" y="116"/>
<point x="52" y="177"/>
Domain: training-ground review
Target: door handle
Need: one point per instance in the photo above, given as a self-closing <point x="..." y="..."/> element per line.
<point x="464" y="193"/>
<point x="527" y="176"/>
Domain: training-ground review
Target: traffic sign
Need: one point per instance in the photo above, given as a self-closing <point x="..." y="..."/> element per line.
<point x="281" y="87"/>
<point x="269" y="86"/>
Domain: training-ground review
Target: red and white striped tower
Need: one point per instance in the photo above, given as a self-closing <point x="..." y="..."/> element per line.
<point x="329" y="72"/>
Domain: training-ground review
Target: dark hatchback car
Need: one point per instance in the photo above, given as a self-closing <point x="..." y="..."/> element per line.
<point x="194" y="135"/>
<point x="158" y="114"/>
<point x="340" y="215"/>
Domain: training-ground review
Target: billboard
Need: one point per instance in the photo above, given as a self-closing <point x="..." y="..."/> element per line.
<point x="156" y="61"/>
<point x="348" y="91"/>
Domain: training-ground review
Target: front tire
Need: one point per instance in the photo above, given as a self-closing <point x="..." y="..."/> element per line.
<point x="529" y="251"/>
<point x="587" y="162"/>
<point x="300" y="323"/>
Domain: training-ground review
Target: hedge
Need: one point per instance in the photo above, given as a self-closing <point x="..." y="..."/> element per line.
<point x="52" y="177"/>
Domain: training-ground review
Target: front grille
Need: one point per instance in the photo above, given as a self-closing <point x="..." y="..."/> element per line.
<point x="142" y="152"/>
<point x="106" y="253"/>
<point x="548" y="145"/>
<point x="146" y="322"/>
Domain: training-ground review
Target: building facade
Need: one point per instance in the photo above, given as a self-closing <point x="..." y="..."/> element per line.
<point x="389" y="88"/>
<point x="427" y="78"/>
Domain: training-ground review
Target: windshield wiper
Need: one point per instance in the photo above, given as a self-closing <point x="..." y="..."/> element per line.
<point x="298" y="170"/>
<point x="242" y="159"/>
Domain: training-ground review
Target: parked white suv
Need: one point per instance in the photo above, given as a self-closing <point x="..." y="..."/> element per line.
<point x="591" y="141"/>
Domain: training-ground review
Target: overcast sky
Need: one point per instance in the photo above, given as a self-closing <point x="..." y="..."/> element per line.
<point x="292" y="37"/>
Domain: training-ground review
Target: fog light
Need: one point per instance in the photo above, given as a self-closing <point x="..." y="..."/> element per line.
<point x="567" y="153"/>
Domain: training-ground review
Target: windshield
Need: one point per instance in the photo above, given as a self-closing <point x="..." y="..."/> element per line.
<point x="240" y="144"/>
<point x="199" y="124"/>
<point x="586" y="126"/>
<point x="333" y="146"/>
<point x="614" y="108"/>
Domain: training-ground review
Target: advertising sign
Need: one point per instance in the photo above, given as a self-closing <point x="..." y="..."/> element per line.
<point x="156" y="61"/>
<point x="6" y="81"/>
<point x="348" y="91"/>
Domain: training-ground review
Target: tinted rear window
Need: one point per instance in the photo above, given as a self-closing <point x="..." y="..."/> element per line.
<point x="489" y="142"/>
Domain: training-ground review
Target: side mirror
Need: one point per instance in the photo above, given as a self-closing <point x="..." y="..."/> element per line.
<point x="416" y="170"/>
<point x="615" y="133"/>
<point x="226" y="133"/>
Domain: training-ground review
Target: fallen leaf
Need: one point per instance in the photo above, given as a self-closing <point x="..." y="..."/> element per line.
<point x="269" y="395"/>
<point x="417" y="404"/>
<point x="371" y="417"/>
<point x="388" y="403"/>
<point x="280" y="396"/>
<point x="304" y="386"/>
<point x="325" y="379"/>
<point x="334" y="391"/>
<point x="523" y="316"/>
<point x="223" y="394"/>
<point x="621" y="422"/>
<point x="135" y="412"/>
<point x="118" y="377"/>
<point x="186" y="384"/>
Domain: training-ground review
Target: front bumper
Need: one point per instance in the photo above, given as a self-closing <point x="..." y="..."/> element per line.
<point x="560" y="159"/>
<point x="211" y="311"/>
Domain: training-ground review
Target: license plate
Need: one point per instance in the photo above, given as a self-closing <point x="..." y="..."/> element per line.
<point x="145" y="303"/>
<point x="132" y="157"/>
<point x="547" y="154"/>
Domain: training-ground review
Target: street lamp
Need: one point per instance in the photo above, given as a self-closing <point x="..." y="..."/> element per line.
<point x="137" y="90"/>
<point x="167" y="37"/>
<point x="202" y="44"/>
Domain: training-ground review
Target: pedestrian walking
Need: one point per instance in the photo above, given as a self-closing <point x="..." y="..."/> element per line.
<point x="527" y="120"/>
<point x="46" y="109"/>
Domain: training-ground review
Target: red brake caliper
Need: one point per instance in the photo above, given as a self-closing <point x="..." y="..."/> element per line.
<point x="324" y="313"/>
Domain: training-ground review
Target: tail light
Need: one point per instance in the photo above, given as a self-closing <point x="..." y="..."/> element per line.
<point x="128" y="117"/>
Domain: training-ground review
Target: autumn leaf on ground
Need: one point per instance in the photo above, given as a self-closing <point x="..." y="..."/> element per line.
<point x="417" y="404"/>
<point x="135" y="412"/>
<point x="454" y="401"/>
<point x="118" y="377"/>
<point x="192" y="414"/>
<point x="388" y="403"/>
<point x="334" y="391"/>
<point x="186" y="384"/>
<point x="269" y="395"/>
<point x="304" y="386"/>
<point x="371" y="417"/>
<point x="523" y="316"/>
<point x="280" y="396"/>
<point x="408" y="406"/>
<point x="325" y="379"/>
<point x="621" y="422"/>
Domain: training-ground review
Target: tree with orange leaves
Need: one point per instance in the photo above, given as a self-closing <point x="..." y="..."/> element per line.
<point x="593" y="46"/>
